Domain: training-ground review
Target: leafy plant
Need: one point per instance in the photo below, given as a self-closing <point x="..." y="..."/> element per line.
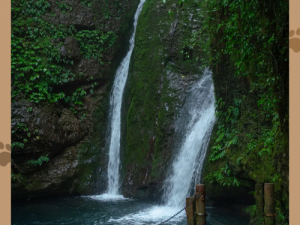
<point x="225" y="177"/>
<point x="226" y="134"/>
<point x="39" y="161"/>
<point x="17" y="178"/>
<point x="94" y="43"/>
<point x="86" y="3"/>
<point x="251" y="210"/>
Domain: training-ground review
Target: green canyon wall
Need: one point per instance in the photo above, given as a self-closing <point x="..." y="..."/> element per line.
<point x="248" y="51"/>
<point x="160" y="75"/>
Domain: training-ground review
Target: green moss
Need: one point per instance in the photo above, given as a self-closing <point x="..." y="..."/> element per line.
<point x="89" y="152"/>
<point x="150" y="102"/>
<point x="155" y="173"/>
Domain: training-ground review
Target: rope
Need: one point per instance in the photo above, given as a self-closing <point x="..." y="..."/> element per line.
<point x="172" y="217"/>
<point x="197" y="196"/>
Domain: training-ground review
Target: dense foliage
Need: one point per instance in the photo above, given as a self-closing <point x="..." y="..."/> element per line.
<point x="37" y="63"/>
<point x="246" y="44"/>
<point x="38" y="67"/>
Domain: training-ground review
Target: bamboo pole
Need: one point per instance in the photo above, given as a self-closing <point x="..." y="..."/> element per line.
<point x="190" y="210"/>
<point x="200" y="205"/>
<point x="269" y="204"/>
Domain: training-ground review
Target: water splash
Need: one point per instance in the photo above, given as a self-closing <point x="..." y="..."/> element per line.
<point x="115" y="112"/>
<point x="151" y="215"/>
<point x="193" y="129"/>
<point x="107" y="197"/>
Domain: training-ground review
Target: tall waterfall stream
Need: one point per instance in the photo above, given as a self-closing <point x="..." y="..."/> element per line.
<point x="115" y="112"/>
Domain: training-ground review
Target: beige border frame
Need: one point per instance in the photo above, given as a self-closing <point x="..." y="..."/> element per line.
<point x="5" y="111"/>
<point x="294" y="117"/>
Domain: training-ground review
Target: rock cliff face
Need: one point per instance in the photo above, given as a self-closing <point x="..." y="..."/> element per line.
<point x="161" y="72"/>
<point x="73" y="142"/>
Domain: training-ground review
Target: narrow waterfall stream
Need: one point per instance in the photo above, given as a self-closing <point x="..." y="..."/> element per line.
<point x="194" y="125"/>
<point x="115" y="112"/>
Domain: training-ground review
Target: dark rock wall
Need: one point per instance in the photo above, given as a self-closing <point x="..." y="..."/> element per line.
<point x="74" y="143"/>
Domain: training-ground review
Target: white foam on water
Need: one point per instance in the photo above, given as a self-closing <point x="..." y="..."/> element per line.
<point x="154" y="215"/>
<point x="107" y="197"/>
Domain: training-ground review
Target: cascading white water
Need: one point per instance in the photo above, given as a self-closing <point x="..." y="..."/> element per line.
<point x="115" y="112"/>
<point x="193" y="130"/>
<point x="194" y="126"/>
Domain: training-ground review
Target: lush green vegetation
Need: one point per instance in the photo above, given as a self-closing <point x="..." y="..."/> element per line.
<point x="37" y="64"/>
<point x="38" y="67"/>
<point x="246" y="45"/>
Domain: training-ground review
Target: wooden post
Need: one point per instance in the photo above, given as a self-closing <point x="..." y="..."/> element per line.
<point x="200" y="205"/>
<point x="269" y="204"/>
<point x="190" y="209"/>
<point x="259" y="198"/>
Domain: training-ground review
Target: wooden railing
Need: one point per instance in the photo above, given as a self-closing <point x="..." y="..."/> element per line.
<point x="265" y="204"/>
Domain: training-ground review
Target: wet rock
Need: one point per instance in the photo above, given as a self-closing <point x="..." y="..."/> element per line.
<point x="90" y="68"/>
<point x="79" y="15"/>
<point x="52" y="129"/>
<point x="71" y="48"/>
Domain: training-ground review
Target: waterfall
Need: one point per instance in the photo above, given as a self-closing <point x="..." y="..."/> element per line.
<point x="193" y="129"/>
<point x="115" y="112"/>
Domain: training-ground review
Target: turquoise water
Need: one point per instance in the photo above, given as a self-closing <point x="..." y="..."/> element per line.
<point x="88" y="211"/>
